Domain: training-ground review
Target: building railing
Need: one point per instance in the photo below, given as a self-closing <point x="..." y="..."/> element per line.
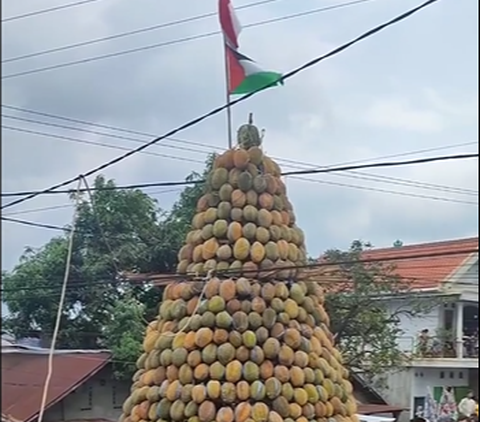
<point x="438" y="347"/>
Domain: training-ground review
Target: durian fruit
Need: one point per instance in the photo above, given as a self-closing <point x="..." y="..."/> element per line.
<point x="248" y="135"/>
<point x="244" y="222"/>
<point x="241" y="348"/>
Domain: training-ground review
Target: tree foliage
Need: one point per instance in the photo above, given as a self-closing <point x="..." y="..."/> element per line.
<point x="115" y="231"/>
<point x="178" y="220"/>
<point x="366" y="306"/>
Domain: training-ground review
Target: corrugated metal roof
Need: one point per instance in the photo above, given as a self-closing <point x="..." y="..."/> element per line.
<point x="378" y="409"/>
<point x="33" y="350"/>
<point x="23" y="378"/>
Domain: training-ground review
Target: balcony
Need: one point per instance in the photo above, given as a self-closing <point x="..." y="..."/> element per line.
<point x="441" y="351"/>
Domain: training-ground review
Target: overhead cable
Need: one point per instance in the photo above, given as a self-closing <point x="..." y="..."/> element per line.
<point x="217" y="110"/>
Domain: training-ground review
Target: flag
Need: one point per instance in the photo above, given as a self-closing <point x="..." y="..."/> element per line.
<point x="244" y="75"/>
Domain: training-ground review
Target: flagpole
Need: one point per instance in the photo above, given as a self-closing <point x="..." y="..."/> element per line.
<point x="227" y="95"/>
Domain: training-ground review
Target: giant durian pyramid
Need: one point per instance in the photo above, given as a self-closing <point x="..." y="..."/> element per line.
<point x="250" y="342"/>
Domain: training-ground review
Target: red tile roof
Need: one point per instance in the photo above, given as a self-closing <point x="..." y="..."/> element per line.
<point x="23" y="378"/>
<point x="427" y="271"/>
<point x="424" y="266"/>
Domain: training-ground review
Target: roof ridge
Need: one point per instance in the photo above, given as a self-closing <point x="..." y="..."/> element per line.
<point x="438" y="244"/>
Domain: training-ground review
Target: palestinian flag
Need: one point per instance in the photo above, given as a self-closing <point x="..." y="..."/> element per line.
<point x="244" y="75"/>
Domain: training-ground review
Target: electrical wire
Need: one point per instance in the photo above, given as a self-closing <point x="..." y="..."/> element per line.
<point x="96" y="132"/>
<point x="134" y="32"/>
<point x="188" y="142"/>
<point x="40" y="209"/>
<point x="34" y="224"/>
<point x="99" y="125"/>
<point x="354" y="175"/>
<point x="391" y="192"/>
<point x="173" y="277"/>
<point x="59" y="312"/>
<point x="325" y="182"/>
<point x="63" y="206"/>
<point x="325" y="282"/>
<point x="416" y="262"/>
<point x="28" y="194"/>
<point x="101" y="144"/>
<point x="49" y="10"/>
<point x="217" y="110"/>
<point x="380" y="179"/>
<point x="177" y="41"/>
<point x="213" y="112"/>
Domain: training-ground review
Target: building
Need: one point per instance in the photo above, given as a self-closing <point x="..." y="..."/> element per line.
<point x="81" y="388"/>
<point x="445" y="276"/>
<point x="449" y="357"/>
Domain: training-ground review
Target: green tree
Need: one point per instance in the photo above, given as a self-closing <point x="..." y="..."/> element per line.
<point x="119" y="230"/>
<point x="178" y="220"/>
<point x="365" y="302"/>
<point x="123" y="335"/>
<point x="116" y="231"/>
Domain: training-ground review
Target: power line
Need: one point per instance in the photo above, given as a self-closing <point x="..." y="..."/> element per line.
<point x="232" y="103"/>
<point x="392" y="192"/>
<point x="188" y="142"/>
<point x="99" y="125"/>
<point x="430" y="186"/>
<point x="397" y="181"/>
<point x="49" y="10"/>
<point x="33" y="210"/>
<point x="354" y="175"/>
<point x="62" y="206"/>
<point x="28" y="194"/>
<point x="33" y="224"/>
<point x="95" y="132"/>
<point x="201" y="144"/>
<point x="136" y="32"/>
<point x="365" y="188"/>
<point x="326" y="281"/>
<point x="178" y="40"/>
<point x="174" y="277"/>
<point x="101" y="144"/>
<point x="385" y="164"/>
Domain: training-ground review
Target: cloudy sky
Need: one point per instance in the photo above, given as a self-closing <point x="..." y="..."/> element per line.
<point x="410" y="88"/>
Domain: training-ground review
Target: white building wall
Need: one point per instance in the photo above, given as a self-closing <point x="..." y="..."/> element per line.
<point x="398" y="389"/>
<point x="99" y="398"/>
<point x="405" y="386"/>
<point x="411" y="326"/>
<point x="470" y="276"/>
<point x="425" y="378"/>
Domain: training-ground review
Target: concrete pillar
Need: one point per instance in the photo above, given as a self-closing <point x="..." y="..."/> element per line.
<point x="459" y="329"/>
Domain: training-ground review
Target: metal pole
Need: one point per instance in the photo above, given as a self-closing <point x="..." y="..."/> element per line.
<point x="227" y="95"/>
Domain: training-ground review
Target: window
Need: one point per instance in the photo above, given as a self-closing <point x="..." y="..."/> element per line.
<point x="448" y="318"/>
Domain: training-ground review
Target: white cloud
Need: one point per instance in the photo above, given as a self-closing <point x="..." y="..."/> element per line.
<point x="346" y="108"/>
<point x="396" y="113"/>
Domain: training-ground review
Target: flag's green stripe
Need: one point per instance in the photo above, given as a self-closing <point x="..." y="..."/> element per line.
<point x="258" y="81"/>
